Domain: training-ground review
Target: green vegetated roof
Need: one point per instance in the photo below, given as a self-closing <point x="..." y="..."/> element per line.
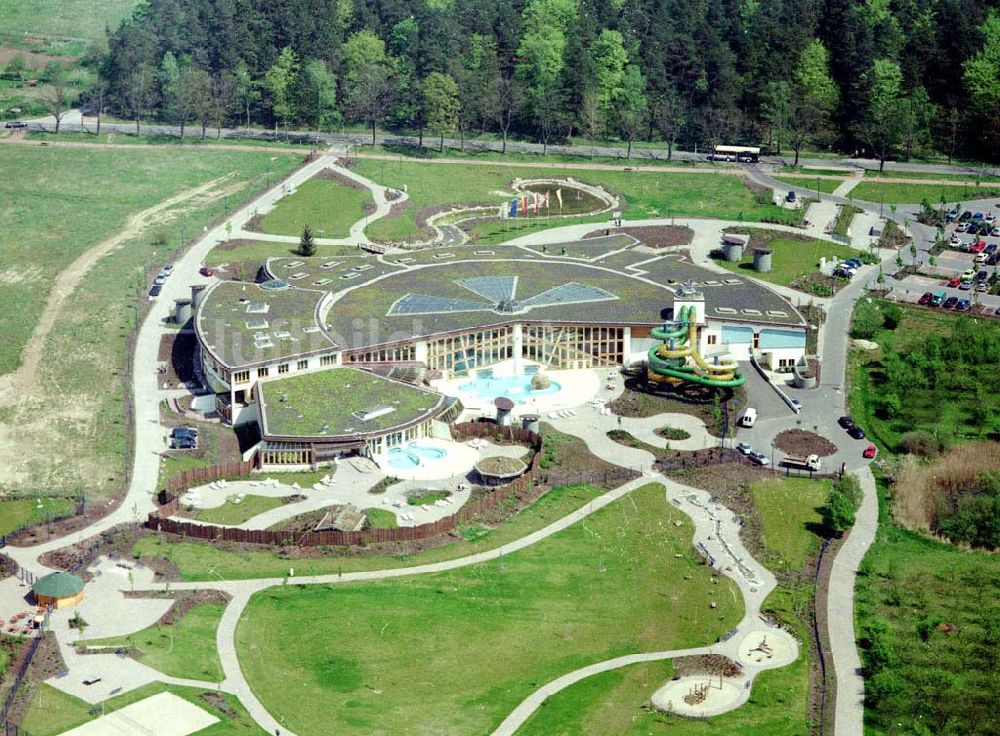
<point x="341" y="402"/>
<point x="243" y="324"/>
<point x="58" y="585"/>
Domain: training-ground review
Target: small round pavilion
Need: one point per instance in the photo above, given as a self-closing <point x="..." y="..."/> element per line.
<point x="58" y="589"/>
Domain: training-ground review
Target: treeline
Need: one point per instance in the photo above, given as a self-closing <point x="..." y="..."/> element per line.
<point x="874" y="76"/>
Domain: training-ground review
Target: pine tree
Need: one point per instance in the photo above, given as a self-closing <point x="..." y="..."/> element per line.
<point x="307" y="244"/>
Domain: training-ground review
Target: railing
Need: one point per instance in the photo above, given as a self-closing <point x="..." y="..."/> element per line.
<point x="22" y="669"/>
<point x="78" y="510"/>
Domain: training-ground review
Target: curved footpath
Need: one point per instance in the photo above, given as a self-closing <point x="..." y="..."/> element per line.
<point x="716" y="528"/>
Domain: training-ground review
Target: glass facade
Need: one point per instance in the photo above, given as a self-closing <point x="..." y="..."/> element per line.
<point x="573" y="346"/>
<point x="460" y="353"/>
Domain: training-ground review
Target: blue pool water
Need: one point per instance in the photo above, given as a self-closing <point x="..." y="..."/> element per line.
<point x="413" y="455"/>
<point x="517" y="388"/>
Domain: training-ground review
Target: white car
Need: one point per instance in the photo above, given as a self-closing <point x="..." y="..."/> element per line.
<point x="759" y="458"/>
<point x="744" y="448"/>
<point x="168" y="269"/>
<point x="160" y="280"/>
<point x="963" y="227"/>
<point x="955" y="240"/>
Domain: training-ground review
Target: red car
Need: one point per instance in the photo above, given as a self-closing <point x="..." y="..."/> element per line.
<point x="870" y="451"/>
<point x="926" y="298"/>
<point x="206" y="271"/>
<point x="952" y="284"/>
<point x="978" y="247"/>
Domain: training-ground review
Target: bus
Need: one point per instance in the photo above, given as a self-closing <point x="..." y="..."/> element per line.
<point x="743" y="154"/>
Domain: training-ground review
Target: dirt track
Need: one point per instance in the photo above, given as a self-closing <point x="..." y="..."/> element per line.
<point x="25" y="380"/>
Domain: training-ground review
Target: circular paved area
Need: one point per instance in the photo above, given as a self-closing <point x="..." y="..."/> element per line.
<point x="718" y="697"/>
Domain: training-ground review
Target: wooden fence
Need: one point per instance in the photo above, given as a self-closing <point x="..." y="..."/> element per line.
<point x="178" y="484"/>
<point x="519" y="486"/>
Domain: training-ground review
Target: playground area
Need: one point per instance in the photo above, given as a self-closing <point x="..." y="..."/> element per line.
<point x="699" y="696"/>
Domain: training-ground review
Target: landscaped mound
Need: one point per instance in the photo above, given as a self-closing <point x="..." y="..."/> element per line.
<point x="803" y="442"/>
<point x="500" y="468"/>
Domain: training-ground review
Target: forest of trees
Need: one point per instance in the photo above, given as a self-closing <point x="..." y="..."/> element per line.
<point x="888" y="78"/>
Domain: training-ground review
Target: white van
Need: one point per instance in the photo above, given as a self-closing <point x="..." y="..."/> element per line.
<point x="749" y="417"/>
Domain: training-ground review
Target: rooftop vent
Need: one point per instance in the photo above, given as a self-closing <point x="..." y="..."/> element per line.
<point x="257" y="324"/>
<point x="348" y="276"/>
<point x="777" y="313"/>
<point x="330" y="264"/>
<point x="297" y="276"/>
<point x="444" y="255"/>
<point x="321" y="282"/>
<point x="754" y="312"/>
<point x="293" y="264"/>
<point x="283" y="335"/>
<point x="369" y="413"/>
<point x="258" y="308"/>
<point x="364" y="267"/>
<point x="725" y="310"/>
<point x="263" y="344"/>
<point x="310" y="329"/>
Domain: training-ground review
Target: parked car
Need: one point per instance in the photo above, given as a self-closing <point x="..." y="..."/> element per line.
<point x="950" y="302"/>
<point x="990" y="249"/>
<point x="168" y="269"/>
<point x="981" y="258"/>
<point x="856" y="432"/>
<point x="978" y="217"/>
<point x="846" y="422"/>
<point x="982" y="276"/>
<point x="964" y="305"/>
<point x="925" y="298"/>
<point x="995" y="232"/>
<point x="978" y="247"/>
<point x="982" y="286"/>
<point x="853" y="262"/>
<point x="155" y="290"/>
<point x="797" y="404"/>
<point x="178" y="432"/>
<point x="759" y="458"/>
<point x="965" y="216"/>
<point x="184" y="443"/>
<point x="870" y="452"/>
<point x="954" y="283"/>
<point x="965" y="285"/>
<point x="160" y="280"/>
<point x="963" y="227"/>
<point x="990" y="218"/>
<point x="974" y="229"/>
<point x="953" y="214"/>
<point x="206" y="271"/>
<point x="790" y="197"/>
<point x="938" y="299"/>
<point x="744" y="448"/>
<point x="955" y="241"/>
<point x="968" y="274"/>
<point x="996" y="312"/>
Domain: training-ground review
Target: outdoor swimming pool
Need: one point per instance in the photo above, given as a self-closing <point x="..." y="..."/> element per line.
<point x="517" y="388"/>
<point x="414" y="455"/>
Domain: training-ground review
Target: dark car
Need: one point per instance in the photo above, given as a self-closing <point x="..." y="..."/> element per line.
<point x="790" y="197"/>
<point x="950" y="302"/>
<point x="16" y="125"/>
<point x="856" y="432"/>
<point x="182" y="432"/>
<point x="206" y="271"/>
<point x="155" y="290"/>
<point x="991" y="248"/>
<point x="926" y="298"/>
<point x="183" y="443"/>
<point x="963" y="305"/>
<point x="965" y="216"/>
<point x="845" y="422"/>
<point x="982" y="275"/>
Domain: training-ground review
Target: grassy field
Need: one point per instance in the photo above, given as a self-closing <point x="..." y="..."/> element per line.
<point x="327" y="206"/>
<point x="949" y="389"/>
<point x="884" y="191"/>
<point x="479" y="154"/>
<point x="192" y="138"/>
<point x="185" y="649"/>
<point x="845" y="214"/>
<point x="932" y="608"/>
<point x="50" y="25"/>
<point x="203" y="562"/>
<point x="646" y="194"/>
<point x="971" y="177"/>
<point x="804" y="186"/>
<point x="381" y="519"/>
<point x="791" y="259"/>
<point x="790" y="518"/>
<point x="20" y="512"/>
<point x="52" y="711"/>
<point x="51" y="215"/>
<point x="542" y="611"/>
<point x="233" y="513"/>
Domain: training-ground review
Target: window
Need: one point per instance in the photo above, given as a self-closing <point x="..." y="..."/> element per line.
<point x="241" y="377"/>
<point x="713" y="339"/>
<point x="262" y="372"/>
<point x="302" y="365"/>
<point x="328" y="360"/>
<point x="282" y="368"/>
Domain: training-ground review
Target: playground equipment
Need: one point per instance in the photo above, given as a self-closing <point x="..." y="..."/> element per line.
<point x="668" y="363"/>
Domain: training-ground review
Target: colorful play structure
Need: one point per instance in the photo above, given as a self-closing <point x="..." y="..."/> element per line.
<point x="668" y="363"/>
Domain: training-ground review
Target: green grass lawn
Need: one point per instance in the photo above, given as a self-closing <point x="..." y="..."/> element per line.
<point x="16" y="513"/>
<point x="804" y="186"/>
<point x="454" y="652"/>
<point x="186" y="649"/>
<point x="232" y="513"/>
<point x="813" y="172"/>
<point x="423" y="498"/>
<point x="647" y="194"/>
<point x="192" y="137"/>
<point x="52" y="711"/>
<point x="202" y="562"/>
<point x="262" y="250"/>
<point x="327" y="206"/>
<point x="791" y="259"/>
<point x="883" y="191"/>
<point x="58" y="202"/>
<point x="888" y="176"/>
<point x="934" y="681"/>
<point x="172" y="465"/>
<point x="78" y="20"/>
<point x="790" y="517"/>
<point x="845" y="214"/>
<point x="381" y="519"/>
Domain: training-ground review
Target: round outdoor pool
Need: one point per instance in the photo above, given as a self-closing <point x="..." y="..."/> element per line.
<point x="414" y="455"/>
<point x="516" y="388"/>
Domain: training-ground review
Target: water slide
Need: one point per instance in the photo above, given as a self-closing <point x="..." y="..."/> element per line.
<point x="668" y="363"/>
